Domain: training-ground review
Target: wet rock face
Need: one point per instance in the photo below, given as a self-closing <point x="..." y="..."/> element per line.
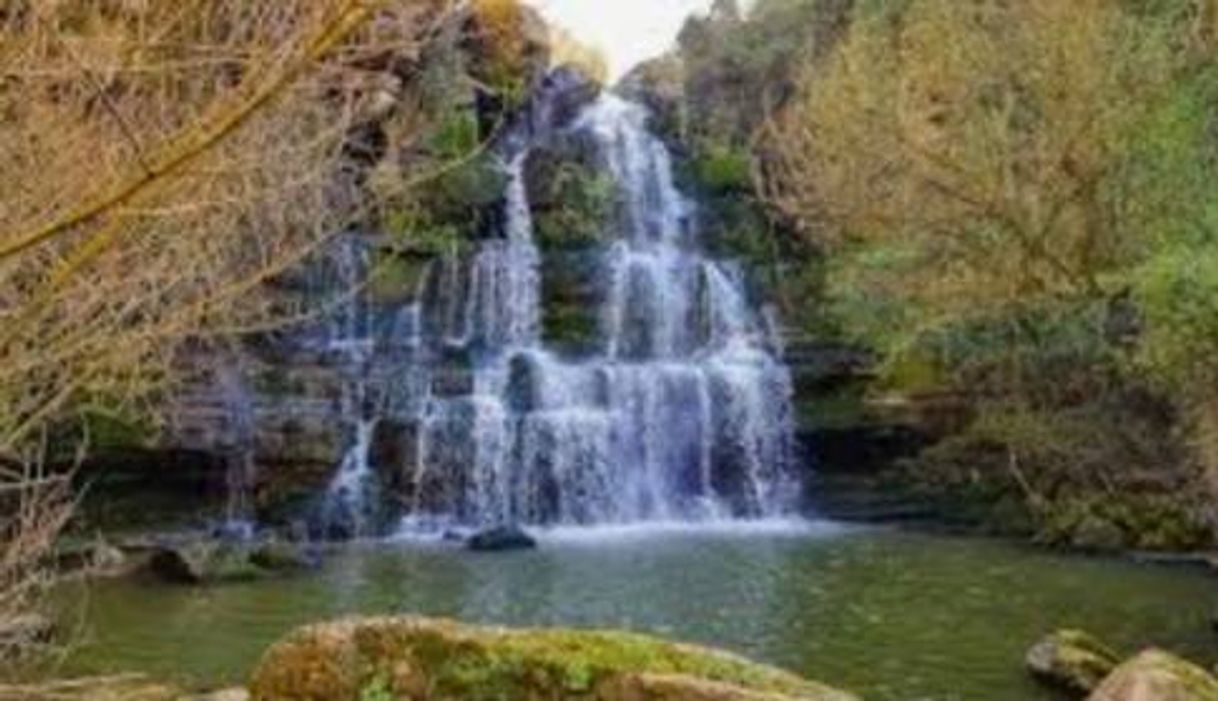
<point x="412" y="658"/>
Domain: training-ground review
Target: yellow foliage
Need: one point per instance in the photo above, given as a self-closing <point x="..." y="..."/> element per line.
<point x="567" y="50"/>
<point x="978" y="134"/>
<point x="500" y="24"/>
<point x="159" y="161"/>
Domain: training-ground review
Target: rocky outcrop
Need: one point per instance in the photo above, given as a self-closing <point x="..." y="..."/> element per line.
<point x="413" y="658"/>
<point x="659" y="85"/>
<point x="1071" y="660"/>
<point x="1155" y="675"/>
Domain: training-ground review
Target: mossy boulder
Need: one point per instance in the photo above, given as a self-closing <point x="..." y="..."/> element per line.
<point x="415" y="658"/>
<point x="1155" y="675"/>
<point x="1071" y="660"/>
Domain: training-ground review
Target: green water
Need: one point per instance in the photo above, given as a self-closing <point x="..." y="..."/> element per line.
<point x="886" y="614"/>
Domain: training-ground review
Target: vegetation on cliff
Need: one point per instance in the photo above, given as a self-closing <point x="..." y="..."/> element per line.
<point x="1009" y="207"/>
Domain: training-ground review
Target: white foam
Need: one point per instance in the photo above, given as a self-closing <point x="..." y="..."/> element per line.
<point x="656" y="530"/>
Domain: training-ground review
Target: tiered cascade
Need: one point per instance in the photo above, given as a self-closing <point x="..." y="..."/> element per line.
<point x="681" y="412"/>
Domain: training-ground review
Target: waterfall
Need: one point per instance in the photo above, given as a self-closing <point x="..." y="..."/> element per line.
<point x="684" y="412"/>
<point x="350" y="499"/>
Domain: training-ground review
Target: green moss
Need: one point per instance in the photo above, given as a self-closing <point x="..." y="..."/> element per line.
<point x="721" y="169"/>
<point x="449" y="660"/>
<point x="376" y="690"/>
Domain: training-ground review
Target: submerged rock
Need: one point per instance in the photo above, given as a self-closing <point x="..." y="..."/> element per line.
<point x="1072" y="660"/>
<point x="414" y="658"/>
<point x="501" y="539"/>
<point x="1155" y="675"/>
<point x="282" y="556"/>
<point x="216" y="562"/>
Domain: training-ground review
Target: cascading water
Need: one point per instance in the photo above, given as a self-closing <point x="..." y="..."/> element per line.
<point x="682" y="414"/>
<point x="350" y="498"/>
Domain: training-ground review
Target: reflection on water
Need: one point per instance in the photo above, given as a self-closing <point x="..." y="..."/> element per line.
<point x="890" y="615"/>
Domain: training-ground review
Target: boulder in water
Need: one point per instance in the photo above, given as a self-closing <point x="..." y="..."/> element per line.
<point x="202" y="562"/>
<point x="414" y="658"/>
<point x="501" y="539"/>
<point x="1071" y="660"/>
<point x="1155" y="675"/>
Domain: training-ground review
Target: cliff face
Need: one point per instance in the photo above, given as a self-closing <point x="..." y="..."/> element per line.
<point x="260" y="416"/>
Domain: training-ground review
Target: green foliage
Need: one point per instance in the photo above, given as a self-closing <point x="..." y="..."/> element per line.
<point x="395" y="279"/>
<point x="457" y="136"/>
<point x="378" y="689"/>
<point x="579" y="203"/>
<point x="1178" y="294"/>
<point x="722" y="169"/>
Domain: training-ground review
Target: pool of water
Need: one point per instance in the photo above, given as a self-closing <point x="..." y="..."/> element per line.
<point x="890" y="615"/>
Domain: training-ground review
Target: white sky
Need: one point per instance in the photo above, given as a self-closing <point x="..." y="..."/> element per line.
<point x="628" y="31"/>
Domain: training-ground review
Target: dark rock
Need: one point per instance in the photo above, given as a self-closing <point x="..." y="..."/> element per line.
<point x="501" y="539"/>
<point x="203" y="562"/>
<point x="565" y="92"/>
<point x="1071" y="660"/>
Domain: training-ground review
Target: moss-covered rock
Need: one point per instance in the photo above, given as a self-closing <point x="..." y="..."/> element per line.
<point x="1155" y="675"/>
<point x="413" y="658"/>
<point x="1072" y="660"/>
